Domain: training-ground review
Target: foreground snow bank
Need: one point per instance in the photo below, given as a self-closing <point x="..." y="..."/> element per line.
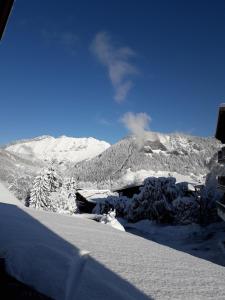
<point x="38" y="257"/>
<point x="119" y="265"/>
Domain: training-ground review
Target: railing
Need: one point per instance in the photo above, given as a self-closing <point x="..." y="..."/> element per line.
<point x="221" y="182"/>
<point x="221" y="155"/>
<point x="221" y="210"/>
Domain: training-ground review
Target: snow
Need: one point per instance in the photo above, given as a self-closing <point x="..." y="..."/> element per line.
<point x="69" y="257"/>
<point x="110" y="219"/>
<point x="138" y="177"/>
<point x="61" y="148"/>
<point x="205" y="242"/>
<point x="96" y="195"/>
<point x="7" y="197"/>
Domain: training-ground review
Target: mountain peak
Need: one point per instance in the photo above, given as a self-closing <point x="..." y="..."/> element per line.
<point x="61" y="148"/>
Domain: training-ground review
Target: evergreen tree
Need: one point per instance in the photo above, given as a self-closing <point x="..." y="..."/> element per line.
<point x="43" y="185"/>
<point x="40" y="192"/>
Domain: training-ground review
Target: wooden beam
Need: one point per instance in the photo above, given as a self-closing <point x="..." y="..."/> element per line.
<point x="5" y="9"/>
<point x="220" y="129"/>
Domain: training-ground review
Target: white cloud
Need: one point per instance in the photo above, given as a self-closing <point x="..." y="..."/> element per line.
<point x="117" y="62"/>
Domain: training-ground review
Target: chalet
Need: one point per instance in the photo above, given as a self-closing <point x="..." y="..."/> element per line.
<point x="220" y="135"/>
<point x="5" y="9"/>
<point x="87" y="199"/>
<point x="129" y="191"/>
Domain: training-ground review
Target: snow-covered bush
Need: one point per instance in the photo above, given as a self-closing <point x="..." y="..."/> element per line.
<point x="155" y="200"/>
<point x="165" y="201"/>
<point x="119" y="204"/>
<point x="62" y="202"/>
<point x="186" y="210"/>
<point x="110" y="219"/>
<point x="207" y="212"/>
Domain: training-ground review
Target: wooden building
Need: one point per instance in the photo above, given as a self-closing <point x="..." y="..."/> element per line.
<point x="87" y="199"/>
<point x="129" y="191"/>
<point x="5" y="9"/>
<point x="220" y="135"/>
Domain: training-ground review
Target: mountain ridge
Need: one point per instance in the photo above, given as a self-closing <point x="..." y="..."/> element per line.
<point x="130" y="160"/>
<point x="61" y="148"/>
<point x="168" y="154"/>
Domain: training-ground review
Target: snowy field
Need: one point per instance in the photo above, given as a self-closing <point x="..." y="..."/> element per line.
<point x="67" y="257"/>
<point x="203" y="242"/>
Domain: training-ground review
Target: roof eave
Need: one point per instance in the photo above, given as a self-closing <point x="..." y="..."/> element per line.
<point x="5" y="9"/>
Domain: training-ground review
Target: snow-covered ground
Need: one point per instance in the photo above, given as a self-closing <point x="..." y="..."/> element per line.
<point x="49" y="251"/>
<point x="131" y="177"/>
<point x="61" y="148"/>
<point x="203" y="242"/>
<point x="7" y="197"/>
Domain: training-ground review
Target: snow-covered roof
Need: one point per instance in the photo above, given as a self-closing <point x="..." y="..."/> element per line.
<point x="96" y="195"/>
<point x="130" y="186"/>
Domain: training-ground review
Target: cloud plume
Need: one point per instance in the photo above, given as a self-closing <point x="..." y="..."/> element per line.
<point x="117" y="62"/>
<point x="138" y="125"/>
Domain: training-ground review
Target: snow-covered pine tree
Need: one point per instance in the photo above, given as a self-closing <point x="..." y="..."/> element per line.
<point x="39" y="196"/>
<point x="53" y="179"/>
<point x="43" y="185"/>
<point x="70" y="184"/>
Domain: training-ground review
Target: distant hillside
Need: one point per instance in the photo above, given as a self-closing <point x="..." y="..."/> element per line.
<point x="14" y="166"/>
<point x="176" y="155"/>
<point x="96" y="164"/>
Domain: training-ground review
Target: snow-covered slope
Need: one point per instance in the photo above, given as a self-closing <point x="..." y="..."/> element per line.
<point x="96" y="165"/>
<point x="49" y="256"/>
<point x="179" y="155"/>
<point x="7" y="197"/>
<point x="13" y="166"/>
<point x="61" y="148"/>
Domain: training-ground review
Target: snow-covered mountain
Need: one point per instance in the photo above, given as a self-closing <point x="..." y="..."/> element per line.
<point x="96" y="164"/>
<point x="63" y="148"/>
<point x="186" y="157"/>
<point x="15" y="166"/>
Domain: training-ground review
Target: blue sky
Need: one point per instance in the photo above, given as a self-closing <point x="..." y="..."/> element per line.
<point x="76" y="67"/>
